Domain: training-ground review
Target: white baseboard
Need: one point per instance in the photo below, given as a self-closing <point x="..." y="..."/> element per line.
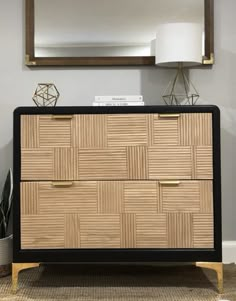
<point x="229" y="251"/>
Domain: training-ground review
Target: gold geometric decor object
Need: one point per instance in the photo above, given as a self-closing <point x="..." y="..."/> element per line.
<point x="46" y="95"/>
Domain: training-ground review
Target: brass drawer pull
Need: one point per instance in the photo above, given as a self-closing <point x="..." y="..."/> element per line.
<point x="169" y="115"/>
<point x="62" y="116"/>
<point x="170" y="183"/>
<point x="62" y="184"/>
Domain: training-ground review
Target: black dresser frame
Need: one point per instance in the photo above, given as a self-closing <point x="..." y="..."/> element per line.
<point x="118" y="255"/>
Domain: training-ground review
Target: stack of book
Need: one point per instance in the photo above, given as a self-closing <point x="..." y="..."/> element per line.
<point x="120" y="100"/>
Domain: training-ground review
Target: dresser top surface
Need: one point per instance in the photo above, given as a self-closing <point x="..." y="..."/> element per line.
<point x="117" y="110"/>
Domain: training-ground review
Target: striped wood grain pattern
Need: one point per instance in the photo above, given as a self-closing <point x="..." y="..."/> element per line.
<point x="150" y="124"/>
<point x="203" y="228"/>
<point x="127" y="129"/>
<point x="100" y="231"/>
<point x="92" y="131"/>
<point x="42" y="231"/>
<point x="140" y="197"/>
<point x="128" y="230"/>
<point x="159" y="193"/>
<point x="204" y="162"/>
<point x="170" y="162"/>
<point x="206" y="196"/>
<point x="193" y="160"/>
<point x="102" y="164"/>
<point x="37" y="164"/>
<point x="110" y="197"/>
<point x="54" y="132"/>
<point x="151" y="231"/>
<point x="137" y="162"/>
<point x="186" y="129"/>
<point x="29" y="203"/>
<point x="71" y="231"/>
<point x="166" y="130"/>
<point x="29" y="131"/>
<point x="74" y="131"/>
<point x="105" y="208"/>
<point x="184" y="197"/>
<point x="180" y="230"/>
<point x="60" y="132"/>
<point x="80" y="198"/>
<point x="195" y="129"/>
<point x="65" y="163"/>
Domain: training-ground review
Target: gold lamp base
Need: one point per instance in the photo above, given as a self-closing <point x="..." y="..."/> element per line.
<point x="180" y="90"/>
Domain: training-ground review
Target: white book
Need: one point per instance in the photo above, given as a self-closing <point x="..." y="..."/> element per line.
<point x="116" y="103"/>
<point x="119" y="98"/>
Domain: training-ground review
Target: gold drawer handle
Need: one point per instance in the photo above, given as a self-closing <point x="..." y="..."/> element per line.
<point x="170" y="183"/>
<point x="169" y="115"/>
<point x="62" y="184"/>
<point x="62" y="116"/>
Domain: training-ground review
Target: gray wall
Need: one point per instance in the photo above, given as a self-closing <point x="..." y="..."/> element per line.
<point x="78" y="86"/>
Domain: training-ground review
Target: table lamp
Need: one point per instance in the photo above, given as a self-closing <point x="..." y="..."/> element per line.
<point x="179" y="45"/>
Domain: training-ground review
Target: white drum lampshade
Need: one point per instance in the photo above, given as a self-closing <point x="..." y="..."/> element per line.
<point x="179" y="42"/>
<point x="179" y="45"/>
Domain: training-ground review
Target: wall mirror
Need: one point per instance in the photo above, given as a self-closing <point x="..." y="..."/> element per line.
<point x="107" y="32"/>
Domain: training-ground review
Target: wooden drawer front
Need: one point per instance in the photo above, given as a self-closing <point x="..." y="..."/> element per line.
<point x="116" y="214"/>
<point x="104" y="131"/>
<point x="188" y="206"/>
<point x="119" y="146"/>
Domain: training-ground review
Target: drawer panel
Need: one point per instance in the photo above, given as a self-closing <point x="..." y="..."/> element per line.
<point x="116" y="214"/>
<point x="54" y="132"/>
<point x="181" y="129"/>
<point x="116" y="146"/>
<point x="49" y="164"/>
<point x="195" y="129"/>
<point x="186" y="196"/>
<point x="170" y="162"/>
<point x="112" y="130"/>
<point x="203" y="162"/>
<point x="127" y="130"/>
<point x="102" y="164"/>
<point x="46" y="131"/>
<point x="37" y="164"/>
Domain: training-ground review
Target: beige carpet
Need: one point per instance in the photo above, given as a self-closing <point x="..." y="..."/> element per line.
<point x="119" y="282"/>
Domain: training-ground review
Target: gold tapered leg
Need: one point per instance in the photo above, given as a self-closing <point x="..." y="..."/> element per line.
<point x="16" y="268"/>
<point x="218" y="268"/>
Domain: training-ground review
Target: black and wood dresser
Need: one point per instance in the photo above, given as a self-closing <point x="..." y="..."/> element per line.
<point x="117" y="184"/>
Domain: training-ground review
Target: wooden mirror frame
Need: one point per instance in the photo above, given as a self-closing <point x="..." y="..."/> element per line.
<point x="31" y="60"/>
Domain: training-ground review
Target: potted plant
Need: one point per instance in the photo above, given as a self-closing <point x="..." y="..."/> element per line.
<point x="5" y="237"/>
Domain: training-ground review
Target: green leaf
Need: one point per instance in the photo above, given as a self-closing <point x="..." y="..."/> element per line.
<point x="7" y="193"/>
<point x="6" y="204"/>
<point x="3" y="227"/>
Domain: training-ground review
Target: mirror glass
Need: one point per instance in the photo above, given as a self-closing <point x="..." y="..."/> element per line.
<point x="103" y="28"/>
